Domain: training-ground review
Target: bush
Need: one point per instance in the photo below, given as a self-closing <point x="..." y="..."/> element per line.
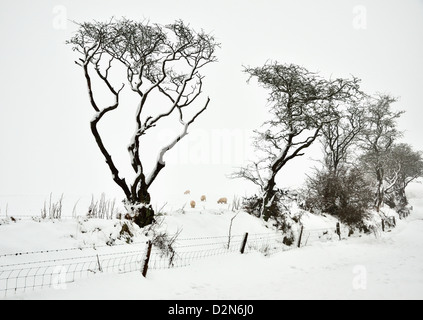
<point x="252" y="205"/>
<point x="279" y="212"/>
<point x="289" y="240"/>
<point x="398" y="201"/>
<point x="345" y="194"/>
<point x="161" y="240"/>
<point x="125" y="233"/>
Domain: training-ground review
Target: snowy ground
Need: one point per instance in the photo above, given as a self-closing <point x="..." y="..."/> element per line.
<point x="389" y="266"/>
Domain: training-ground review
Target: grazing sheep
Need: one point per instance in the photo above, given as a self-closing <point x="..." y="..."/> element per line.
<point x="222" y="200"/>
<point x="203" y="198"/>
<point x="192" y="203"/>
<point x="187" y="192"/>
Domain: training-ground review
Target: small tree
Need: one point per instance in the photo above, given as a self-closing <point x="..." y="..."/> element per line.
<point x="403" y="166"/>
<point x="157" y="60"/>
<point x="300" y="104"/>
<point x="377" y="141"/>
<point x="339" y="188"/>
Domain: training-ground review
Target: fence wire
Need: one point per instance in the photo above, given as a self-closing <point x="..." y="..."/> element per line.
<point x="183" y="255"/>
<point x="18" y="278"/>
<point x="268" y="244"/>
<point x="21" y="277"/>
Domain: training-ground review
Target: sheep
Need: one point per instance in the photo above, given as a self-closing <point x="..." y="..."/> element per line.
<point x="203" y="198"/>
<point x="192" y="203"/>
<point x="222" y="200"/>
<point x="187" y="192"/>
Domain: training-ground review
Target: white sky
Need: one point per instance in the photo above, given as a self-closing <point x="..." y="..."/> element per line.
<point x="45" y="142"/>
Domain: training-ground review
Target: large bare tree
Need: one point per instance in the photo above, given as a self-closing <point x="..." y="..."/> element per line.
<point x="300" y="104"/>
<point x="157" y="61"/>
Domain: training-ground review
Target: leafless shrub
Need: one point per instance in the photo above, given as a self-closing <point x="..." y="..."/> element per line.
<point x="163" y="241"/>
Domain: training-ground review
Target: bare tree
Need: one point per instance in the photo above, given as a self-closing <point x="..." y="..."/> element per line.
<point x="339" y="187"/>
<point x="157" y="60"/>
<point x="411" y="163"/>
<point x="377" y="141"/>
<point x="403" y="166"/>
<point x="340" y="136"/>
<point x="300" y="104"/>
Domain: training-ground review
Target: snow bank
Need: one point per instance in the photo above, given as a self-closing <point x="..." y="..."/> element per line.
<point x="389" y="267"/>
<point x="196" y="223"/>
<point x="386" y="266"/>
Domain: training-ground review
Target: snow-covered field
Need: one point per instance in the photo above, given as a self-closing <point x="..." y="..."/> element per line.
<point x="389" y="266"/>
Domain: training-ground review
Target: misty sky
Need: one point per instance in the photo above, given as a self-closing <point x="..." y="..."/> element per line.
<point x="45" y="141"/>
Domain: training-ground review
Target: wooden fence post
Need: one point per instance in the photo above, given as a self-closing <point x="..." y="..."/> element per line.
<point x="99" y="265"/>
<point x="244" y="242"/>
<point x="147" y="258"/>
<point x="338" y="230"/>
<point x="301" y="235"/>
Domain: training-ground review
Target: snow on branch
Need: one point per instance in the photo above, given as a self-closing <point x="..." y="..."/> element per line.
<point x="156" y="59"/>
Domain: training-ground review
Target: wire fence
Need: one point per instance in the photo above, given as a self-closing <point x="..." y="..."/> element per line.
<point x="18" y="278"/>
<point x="56" y="273"/>
<point x="185" y="251"/>
<point x="321" y="235"/>
<point x="268" y="244"/>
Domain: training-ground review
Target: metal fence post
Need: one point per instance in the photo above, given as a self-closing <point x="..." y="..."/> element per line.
<point x="147" y="258"/>
<point x="244" y="242"/>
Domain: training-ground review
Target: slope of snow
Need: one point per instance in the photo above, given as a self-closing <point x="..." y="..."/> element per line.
<point x="390" y="267"/>
<point x="33" y="235"/>
<point x="379" y="266"/>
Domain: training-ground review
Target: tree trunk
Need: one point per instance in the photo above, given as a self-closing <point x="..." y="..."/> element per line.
<point x="380" y="190"/>
<point x="268" y="197"/>
<point x="139" y="208"/>
<point x="402" y="200"/>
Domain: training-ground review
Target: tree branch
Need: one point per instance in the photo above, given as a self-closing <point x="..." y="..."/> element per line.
<point x="160" y="164"/>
